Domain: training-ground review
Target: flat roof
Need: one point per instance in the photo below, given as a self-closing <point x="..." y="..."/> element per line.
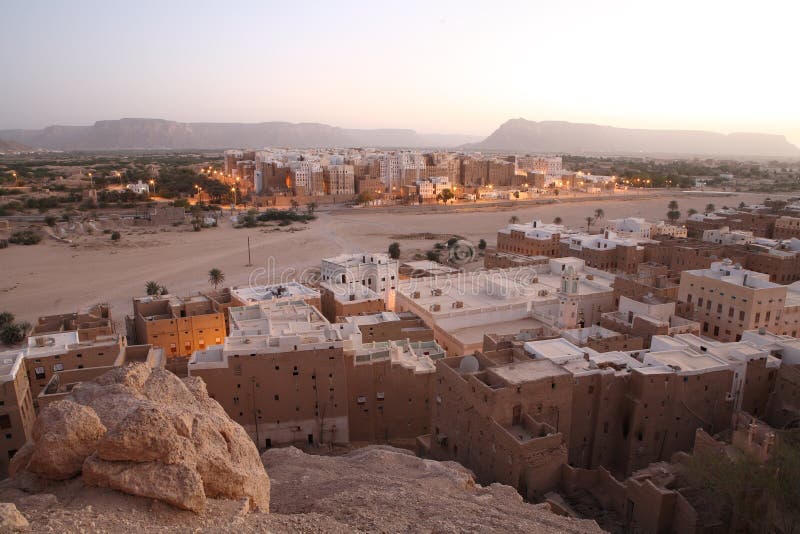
<point x="685" y="360"/>
<point x="253" y="294"/>
<point x="558" y="350"/>
<point x="527" y="371"/>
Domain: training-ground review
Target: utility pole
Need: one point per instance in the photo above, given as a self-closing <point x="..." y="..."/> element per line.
<point x="249" y="263"/>
<point x="255" y="414"/>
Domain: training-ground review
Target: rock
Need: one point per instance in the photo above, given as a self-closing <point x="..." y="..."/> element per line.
<point x="148" y="433"/>
<point x="11" y="520"/>
<point x="40" y="501"/>
<point x="176" y="484"/>
<point x="64" y="435"/>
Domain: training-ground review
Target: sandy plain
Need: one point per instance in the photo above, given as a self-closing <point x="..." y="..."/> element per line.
<point x="55" y="277"/>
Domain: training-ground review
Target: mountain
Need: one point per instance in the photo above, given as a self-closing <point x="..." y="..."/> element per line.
<point x="520" y="135"/>
<point x="163" y="134"/>
<point x="12" y="147"/>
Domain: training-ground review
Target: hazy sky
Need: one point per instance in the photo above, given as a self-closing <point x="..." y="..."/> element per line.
<point x="435" y="66"/>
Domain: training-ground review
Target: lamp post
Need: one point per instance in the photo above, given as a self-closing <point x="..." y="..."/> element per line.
<point x="152" y="187"/>
<point x="233" y="190"/>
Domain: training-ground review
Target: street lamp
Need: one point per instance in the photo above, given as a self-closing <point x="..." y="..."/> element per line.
<point x="153" y="186"/>
<point x="233" y="190"/>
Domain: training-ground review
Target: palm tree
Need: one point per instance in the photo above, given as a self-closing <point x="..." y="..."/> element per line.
<point x="513" y="219"/>
<point x="152" y="288"/>
<point x="690" y="212"/>
<point x="673" y="205"/>
<point x="709" y="208"/>
<point x="589" y="221"/>
<point x="599" y="213"/>
<point x="557" y="220"/>
<point x="216" y="277"/>
<point x="394" y="250"/>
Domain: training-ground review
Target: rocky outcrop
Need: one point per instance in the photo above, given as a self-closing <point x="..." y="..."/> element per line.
<point x="148" y="433"/>
<point x="379" y="489"/>
<point x="374" y="489"/>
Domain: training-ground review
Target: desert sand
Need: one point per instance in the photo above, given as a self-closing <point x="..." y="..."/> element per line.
<point x="55" y="277"/>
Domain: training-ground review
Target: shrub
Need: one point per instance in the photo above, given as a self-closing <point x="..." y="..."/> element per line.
<point x="50" y="220"/>
<point x="11" y="334"/>
<point x="6" y="318"/>
<point x="25" y="237"/>
<point x="116" y="236"/>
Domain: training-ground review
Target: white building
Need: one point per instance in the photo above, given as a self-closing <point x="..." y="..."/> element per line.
<point x="140" y="188"/>
<point x="635" y="227"/>
<point x="377" y="271"/>
<point x="726" y="236"/>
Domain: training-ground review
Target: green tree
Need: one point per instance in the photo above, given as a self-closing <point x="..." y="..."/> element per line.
<point x="216" y="277"/>
<point x="513" y="219"/>
<point x="394" y="250"/>
<point x="363" y="198"/>
<point x="432" y="255"/>
<point x="589" y="221"/>
<point x="709" y="208"/>
<point x="115" y="236"/>
<point x="50" y="220"/>
<point x="673" y="215"/>
<point x="673" y="205"/>
<point x="599" y="214"/>
<point x="152" y="288"/>
<point x="690" y="212"/>
<point x="447" y="195"/>
<point x="557" y="220"/>
<point x="482" y="244"/>
<point x="452" y="241"/>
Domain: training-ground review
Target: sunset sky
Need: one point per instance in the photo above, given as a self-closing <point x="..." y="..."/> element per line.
<point x="449" y="67"/>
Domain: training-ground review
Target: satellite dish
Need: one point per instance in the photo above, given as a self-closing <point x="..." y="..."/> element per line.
<point x="469" y="364"/>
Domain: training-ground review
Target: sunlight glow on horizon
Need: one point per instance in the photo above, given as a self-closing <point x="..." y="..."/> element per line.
<point x="444" y="67"/>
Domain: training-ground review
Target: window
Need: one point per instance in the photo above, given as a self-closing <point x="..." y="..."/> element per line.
<point x="741" y="315"/>
<point x="39" y="371"/>
<point x="5" y="421"/>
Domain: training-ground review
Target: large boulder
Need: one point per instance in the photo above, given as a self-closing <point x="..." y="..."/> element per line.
<point x="148" y="433"/>
<point x="64" y="435"/>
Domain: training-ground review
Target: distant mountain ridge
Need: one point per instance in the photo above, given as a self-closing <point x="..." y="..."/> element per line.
<point x="164" y="134"/>
<point x="13" y="147"/>
<point x="520" y="135"/>
<point x="515" y="135"/>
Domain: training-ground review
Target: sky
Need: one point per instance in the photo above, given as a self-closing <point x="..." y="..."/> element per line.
<point x="434" y="66"/>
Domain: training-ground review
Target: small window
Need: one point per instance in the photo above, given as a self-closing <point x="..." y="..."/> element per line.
<point x="39" y="372"/>
<point x="58" y="367"/>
